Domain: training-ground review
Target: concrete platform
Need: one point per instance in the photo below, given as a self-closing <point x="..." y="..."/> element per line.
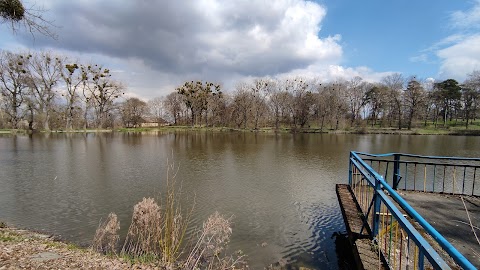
<point x="447" y="214"/>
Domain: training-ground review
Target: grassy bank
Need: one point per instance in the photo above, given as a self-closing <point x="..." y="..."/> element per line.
<point x="473" y="130"/>
<point x="22" y="249"/>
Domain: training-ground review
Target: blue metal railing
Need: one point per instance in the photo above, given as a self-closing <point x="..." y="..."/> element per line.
<point x="399" y="242"/>
<point x="453" y="175"/>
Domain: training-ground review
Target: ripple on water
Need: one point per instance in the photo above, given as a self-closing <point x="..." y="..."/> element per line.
<point x="279" y="205"/>
<point x="310" y="244"/>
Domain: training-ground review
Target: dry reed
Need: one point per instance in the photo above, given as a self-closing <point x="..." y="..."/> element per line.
<point x="158" y="232"/>
<point x="145" y="230"/>
<point x="174" y="223"/>
<point x="106" y="237"/>
<point x="212" y="240"/>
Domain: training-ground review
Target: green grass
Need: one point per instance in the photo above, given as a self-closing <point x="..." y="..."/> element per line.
<point x="6" y="236"/>
<point x="419" y="128"/>
<point x="133" y="129"/>
<point x="69" y="246"/>
<point x="9" y="238"/>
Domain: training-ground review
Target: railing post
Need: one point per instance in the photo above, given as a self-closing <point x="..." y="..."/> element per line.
<point x="350" y="169"/>
<point x="421" y="260"/>
<point x="376" y="208"/>
<point x="396" y="171"/>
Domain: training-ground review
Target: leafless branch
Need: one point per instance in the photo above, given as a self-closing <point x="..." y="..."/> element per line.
<point x="31" y="19"/>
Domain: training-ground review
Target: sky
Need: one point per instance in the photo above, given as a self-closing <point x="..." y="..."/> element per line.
<point x="153" y="46"/>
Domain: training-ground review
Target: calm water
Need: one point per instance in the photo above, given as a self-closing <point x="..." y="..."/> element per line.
<point x="278" y="188"/>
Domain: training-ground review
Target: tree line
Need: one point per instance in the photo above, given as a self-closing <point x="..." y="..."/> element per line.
<point x="43" y="91"/>
<point x="298" y="103"/>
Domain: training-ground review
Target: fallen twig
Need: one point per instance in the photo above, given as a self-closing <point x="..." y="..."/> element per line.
<point x="469" y="220"/>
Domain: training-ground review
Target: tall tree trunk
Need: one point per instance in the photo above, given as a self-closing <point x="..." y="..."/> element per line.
<point x="192" y="115"/>
<point x="277" y="120"/>
<point x="399" y="117"/>
<point x="322" y="123"/>
<point x="244" y="120"/>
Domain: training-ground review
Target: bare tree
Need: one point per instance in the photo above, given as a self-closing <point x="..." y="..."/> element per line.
<point x="212" y="94"/>
<point x="173" y="104"/>
<point x="394" y="84"/>
<point x="189" y="90"/>
<point x="471" y="96"/>
<point x="196" y="97"/>
<point x="75" y="80"/>
<point x="13" y="75"/>
<point x="44" y="74"/>
<point x="277" y="101"/>
<point x="3" y="117"/>
<point x="375" y="99"/>
<point x="259" y="88"/>
<point x="218" y="108"/>
<point x="321" y="106"/>
<point x="133" y="111"/>
<point x="102" y="90"/>
<point x="301" y="102"/>
<point x="414" y="98"/>
<point x="241" y="104"/>
<point x="156" y="108"/>
<point x="338" y="105"/>
<point x="429" y="104"/>
<point x="356" y="90"/>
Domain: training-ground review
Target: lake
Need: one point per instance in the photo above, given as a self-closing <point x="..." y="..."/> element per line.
<point x="278" y="189"/>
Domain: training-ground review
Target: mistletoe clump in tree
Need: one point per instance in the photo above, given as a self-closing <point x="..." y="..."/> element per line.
<point x="197" y="96"/>
<point x="32" y="19"/>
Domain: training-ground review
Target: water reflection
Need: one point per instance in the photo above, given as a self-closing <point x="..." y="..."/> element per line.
<point x="278" y="187"/>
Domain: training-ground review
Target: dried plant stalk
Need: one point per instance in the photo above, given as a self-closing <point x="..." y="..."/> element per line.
<point x="174" y="224"/>
<point x="145" y="230"/>
<point x="157" y="233"/>
<point x="212" y="240"/>
<point x="106" y="237"/>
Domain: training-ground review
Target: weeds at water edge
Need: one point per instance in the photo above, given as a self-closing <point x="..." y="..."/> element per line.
<point x="106" y="236"/>
<point x="157" y="235"/>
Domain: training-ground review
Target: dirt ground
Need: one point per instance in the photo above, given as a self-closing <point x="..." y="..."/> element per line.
<point x="21" y="249"/>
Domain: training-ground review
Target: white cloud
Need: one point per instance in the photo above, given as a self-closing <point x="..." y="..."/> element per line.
<point x="419" y="58"/>
<point x="467" y="19"/>
<point x="461" y="58"/>
<point x="459" y="53"/>
<point x="167" y="42"/>
<point x="334" y="72"/>
<point x="159" y="44"/>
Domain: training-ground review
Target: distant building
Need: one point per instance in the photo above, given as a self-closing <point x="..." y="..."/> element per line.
<point x="153" y="122"/>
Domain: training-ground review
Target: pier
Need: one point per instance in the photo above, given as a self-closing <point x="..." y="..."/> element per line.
<point x="406" y="211"/>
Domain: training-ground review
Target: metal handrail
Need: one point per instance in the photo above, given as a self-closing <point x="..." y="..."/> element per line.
<point x="415" y="156"/>
<point x="380" y="182"/>
<point x="462" y="172"/>
<point x="428" y="250"/>
<point x="423" y="163"/>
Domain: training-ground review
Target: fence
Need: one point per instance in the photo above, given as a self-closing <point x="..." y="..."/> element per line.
<point x="454" y="175"/>
<point x="395" y="237"/>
